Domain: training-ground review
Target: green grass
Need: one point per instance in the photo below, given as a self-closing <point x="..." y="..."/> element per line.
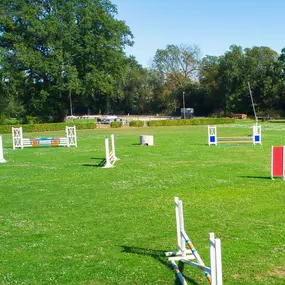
<point x="64" y="220"/>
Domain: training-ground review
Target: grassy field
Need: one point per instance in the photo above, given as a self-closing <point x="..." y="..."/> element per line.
<point x="65" y="220"/>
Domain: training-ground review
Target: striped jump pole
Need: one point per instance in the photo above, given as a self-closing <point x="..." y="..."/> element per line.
<point x="179" y="274"/>
<point x="278" y="162"/>
<point x="2" y="160"/>
<point x="212" y="273"/>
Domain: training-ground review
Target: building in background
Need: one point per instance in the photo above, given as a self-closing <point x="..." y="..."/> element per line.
<point x="187" y="113"/>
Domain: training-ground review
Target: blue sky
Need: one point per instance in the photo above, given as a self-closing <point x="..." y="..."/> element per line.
<point x="212" y="25"/>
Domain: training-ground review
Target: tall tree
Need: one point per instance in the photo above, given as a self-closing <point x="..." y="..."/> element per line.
<point x="179" y="64"/>
<point x="48" y="44"/>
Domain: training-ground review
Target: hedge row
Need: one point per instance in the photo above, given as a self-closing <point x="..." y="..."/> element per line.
<point x="136" y="123"/>
<point x="116" y="124"/>
<point x="195" y="121"/>
<point x="6" y="129"/>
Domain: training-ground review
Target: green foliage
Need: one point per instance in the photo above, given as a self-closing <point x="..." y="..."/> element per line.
<point x="2" y="119"/>
<point x="178" y="63"/>
<point x="12" y="121"/>
<point x="225" y="80"/>
<point x="6" y="129"/>
<point x="58" y="55"/>
<point x="136" y="123"/>
<point x="116" y="124"/>
<point x="195" y="121"/>
<point x="30" y="120"/>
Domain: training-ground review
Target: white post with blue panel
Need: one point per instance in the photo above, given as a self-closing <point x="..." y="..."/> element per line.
<point x="256" y="134"/>
<point x="212" y="135"/>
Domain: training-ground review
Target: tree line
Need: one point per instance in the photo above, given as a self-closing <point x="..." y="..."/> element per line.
<point x="65" y="57"/>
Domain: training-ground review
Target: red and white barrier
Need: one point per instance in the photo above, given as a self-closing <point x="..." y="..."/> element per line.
<point x="2" y="160"/>
<point x="278" y="162"/>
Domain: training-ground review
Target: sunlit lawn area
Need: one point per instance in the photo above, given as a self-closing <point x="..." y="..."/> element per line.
<point x="65" y="220"/>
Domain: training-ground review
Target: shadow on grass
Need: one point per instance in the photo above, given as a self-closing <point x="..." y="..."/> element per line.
<point x="98" y="158"/>
<point x="159" y="255"/>
<point x="256" y="177"/>
<point x="99" y="164"/>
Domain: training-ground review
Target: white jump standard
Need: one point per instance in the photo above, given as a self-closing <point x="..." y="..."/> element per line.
<point x="110" y="155"/>
<point x="70" y="139"/>
<point x="2" y="160"/>
<point x="255" y="138"/>
<point x="192" y="257"/>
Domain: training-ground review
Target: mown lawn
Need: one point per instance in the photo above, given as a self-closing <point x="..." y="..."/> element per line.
<point x="65" y="220"/>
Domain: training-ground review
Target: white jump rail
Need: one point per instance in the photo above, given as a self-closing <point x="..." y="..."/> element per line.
<point x="191" y="256"/>
<point x="69" y="140"/>
<point x="2" y="160"/>
<point x="111" y="157"/>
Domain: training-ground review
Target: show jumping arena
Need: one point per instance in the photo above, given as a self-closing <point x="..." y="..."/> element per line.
<point x="68" y="220"/>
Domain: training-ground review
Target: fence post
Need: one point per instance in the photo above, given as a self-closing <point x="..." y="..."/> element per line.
<point x="2" y="160"/>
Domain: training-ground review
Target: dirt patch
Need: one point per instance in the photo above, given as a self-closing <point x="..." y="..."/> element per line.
<point x="279" y="271"/>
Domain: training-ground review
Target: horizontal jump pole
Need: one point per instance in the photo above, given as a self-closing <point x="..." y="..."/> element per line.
<point x="197" y="265"/>
<point x="177" y="252"/>
<point x="235" y="137"/>
<point x="225" y="142"/>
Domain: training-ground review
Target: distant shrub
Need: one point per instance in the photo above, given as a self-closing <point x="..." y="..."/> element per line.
<point x="30" y="120"/>
<point x="116" y="124"/>
<point x="136" y="123"/>
<point x="212" y="121"/>
<point x="195" y="121"/>
<point x="2" y="119"/>
<point x="5" y="129"/>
